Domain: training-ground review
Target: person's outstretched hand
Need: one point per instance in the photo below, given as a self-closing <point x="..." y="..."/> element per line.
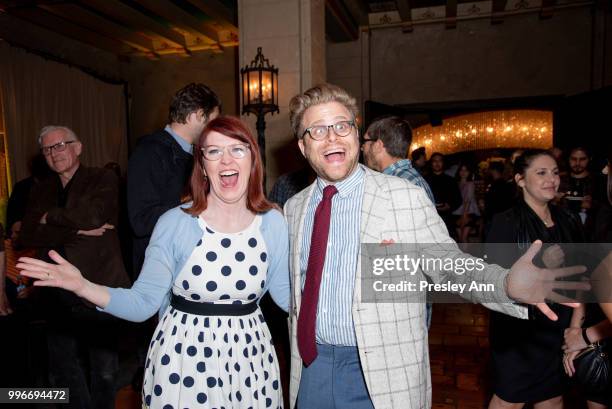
<point x="62" y="275"/>
<point x="530" y="284"/>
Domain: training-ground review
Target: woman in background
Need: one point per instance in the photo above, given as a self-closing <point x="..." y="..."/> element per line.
<point x="526" y="355"/>
<point x="468" y="212"/>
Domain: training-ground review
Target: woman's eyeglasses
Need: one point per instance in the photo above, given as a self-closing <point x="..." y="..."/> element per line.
<point x="213" y="152"/>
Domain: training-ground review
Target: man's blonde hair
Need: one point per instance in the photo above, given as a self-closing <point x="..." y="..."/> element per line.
<point x="319" y="94"/>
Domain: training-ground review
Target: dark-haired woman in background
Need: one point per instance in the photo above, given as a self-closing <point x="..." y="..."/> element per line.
<point x="526" y="354"/>
<point x="207" y="265"/>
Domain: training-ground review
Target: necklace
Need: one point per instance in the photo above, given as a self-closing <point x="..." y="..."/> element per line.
<point x="547" y="221"/>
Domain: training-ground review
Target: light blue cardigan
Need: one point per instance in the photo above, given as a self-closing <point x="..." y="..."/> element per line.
<point x="175" y="236"/>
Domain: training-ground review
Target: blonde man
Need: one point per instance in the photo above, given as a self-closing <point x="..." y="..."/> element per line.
<point x="347" y="353"/>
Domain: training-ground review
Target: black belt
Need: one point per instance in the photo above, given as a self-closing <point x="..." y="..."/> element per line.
<point x="200" y="308"/>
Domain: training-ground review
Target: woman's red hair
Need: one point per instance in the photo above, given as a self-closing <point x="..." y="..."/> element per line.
<point x="199" y="187"/>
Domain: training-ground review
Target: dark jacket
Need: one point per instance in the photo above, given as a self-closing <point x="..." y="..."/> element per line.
<point x="92" y="200"/>
<point x="158" y="172"/>
<point x="445" y="190"/>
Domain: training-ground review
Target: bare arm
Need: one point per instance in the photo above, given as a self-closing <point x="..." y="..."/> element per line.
<point x="607" y="309"/>
<point x="578" y="316"/>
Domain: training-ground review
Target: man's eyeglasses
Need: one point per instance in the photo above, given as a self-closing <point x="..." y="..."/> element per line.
<point x="58" y="147"/>
<point x="320" y="132"/>
<point x="213" y="152"/>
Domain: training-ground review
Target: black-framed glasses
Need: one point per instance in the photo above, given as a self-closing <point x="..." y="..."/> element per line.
<point x="236" y="151"/>
<point x="58" y="147"/>
<point x="320" y="132"/>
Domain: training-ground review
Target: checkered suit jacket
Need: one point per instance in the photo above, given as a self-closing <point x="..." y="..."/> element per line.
<point x="391" y="337"/>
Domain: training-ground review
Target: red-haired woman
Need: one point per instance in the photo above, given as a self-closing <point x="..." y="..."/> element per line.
<point x="209" y="262"/>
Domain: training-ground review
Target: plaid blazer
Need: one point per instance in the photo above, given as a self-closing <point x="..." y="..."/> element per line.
<point x="391" y="337"/>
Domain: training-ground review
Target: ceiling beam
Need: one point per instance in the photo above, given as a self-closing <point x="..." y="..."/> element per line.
<point x="497" y="9"/>
<point x="359" y="10"/>
<point x="131" y="17"/>
<point x="343" y="20"/>
<point x="451" y="14"/>
<point x="84" y="17"/>
<point x="218" y="12"/>
<point x="179" y="17"/>
<point x="67" y="28"/>
<point x="548" y="7"/>
<point x="405" y="12"/>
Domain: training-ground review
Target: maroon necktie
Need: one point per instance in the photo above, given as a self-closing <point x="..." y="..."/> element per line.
<point x="307" y="320"/>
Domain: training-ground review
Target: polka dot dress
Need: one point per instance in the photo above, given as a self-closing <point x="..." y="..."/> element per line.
<point x="199" y="361"/>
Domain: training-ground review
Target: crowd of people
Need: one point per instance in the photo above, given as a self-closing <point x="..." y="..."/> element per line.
<point x="208" y="245"/>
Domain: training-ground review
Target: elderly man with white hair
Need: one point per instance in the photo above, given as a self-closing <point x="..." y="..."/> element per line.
<point x="74" y="211"/>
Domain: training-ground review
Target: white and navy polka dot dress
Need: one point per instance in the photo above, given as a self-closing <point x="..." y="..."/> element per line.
<point x="227" y="362"/>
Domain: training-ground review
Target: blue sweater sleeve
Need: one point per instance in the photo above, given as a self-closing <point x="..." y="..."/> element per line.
<point x="151" y="289"/>
<point x="276" y="236"/>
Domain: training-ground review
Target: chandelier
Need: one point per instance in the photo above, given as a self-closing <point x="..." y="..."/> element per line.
<point x="519" y="128"/>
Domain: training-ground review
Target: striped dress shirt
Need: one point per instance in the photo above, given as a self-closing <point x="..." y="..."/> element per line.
<point x="334" y="316"/>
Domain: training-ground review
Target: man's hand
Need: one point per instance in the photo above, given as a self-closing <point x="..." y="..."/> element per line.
<point x="5" y="306"/>
<point x="96" y="232"/>
<point x="43" y="219"/>
<point x="553" y="256"/>
<point x="533" y="285"/>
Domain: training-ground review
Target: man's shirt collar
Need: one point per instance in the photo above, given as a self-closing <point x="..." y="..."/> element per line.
<point x="186" y="146"/>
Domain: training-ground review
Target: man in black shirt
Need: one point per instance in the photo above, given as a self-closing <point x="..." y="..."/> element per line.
<point x="160" y="166"/>
<point x="500" y="194"/>
<point x="74" y="211"/>
<point x="445" y="190"/>
<point x="577" y="187"/>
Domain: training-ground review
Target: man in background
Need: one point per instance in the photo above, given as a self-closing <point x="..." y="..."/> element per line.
<point x="445" y="190"/>
<point x="160" y="166"/>
<point x="384" y="146"/>
<point x="74" y="211"/>
<point x="419" y="160"/>
<point x="577" y="187"/>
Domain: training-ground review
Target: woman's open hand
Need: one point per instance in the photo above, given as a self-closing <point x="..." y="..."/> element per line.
<point x="62" y="275"/>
